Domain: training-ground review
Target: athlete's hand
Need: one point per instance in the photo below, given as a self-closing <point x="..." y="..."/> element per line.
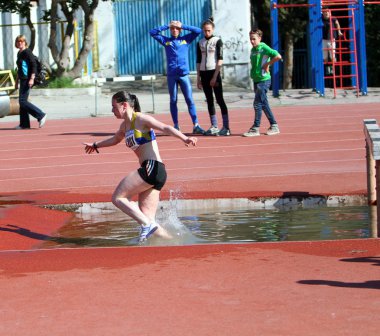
<point x="199" y="84"/>
<point x="90" y="148"/>
<point x="191" y="141"/>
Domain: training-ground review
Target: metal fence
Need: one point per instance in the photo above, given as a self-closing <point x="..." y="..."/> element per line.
<point x="137" y="52"/>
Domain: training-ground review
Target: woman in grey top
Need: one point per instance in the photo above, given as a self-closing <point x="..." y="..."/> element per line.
<point x="209" y="64"/>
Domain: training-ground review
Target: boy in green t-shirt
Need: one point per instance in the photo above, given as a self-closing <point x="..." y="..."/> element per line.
<point x="262" y="57"/>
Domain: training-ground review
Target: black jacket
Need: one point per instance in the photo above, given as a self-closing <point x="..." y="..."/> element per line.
<point x="27" y="56"/>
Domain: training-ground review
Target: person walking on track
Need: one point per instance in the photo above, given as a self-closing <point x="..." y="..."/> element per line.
<point x="26" y="72"/>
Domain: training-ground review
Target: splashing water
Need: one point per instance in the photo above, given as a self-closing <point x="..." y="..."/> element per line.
<point x="167" y="217"/>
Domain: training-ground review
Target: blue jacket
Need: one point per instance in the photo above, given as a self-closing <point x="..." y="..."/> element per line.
<point x="177" y="49"/>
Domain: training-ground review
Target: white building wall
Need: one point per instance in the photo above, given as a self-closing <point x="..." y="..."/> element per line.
<point x="106" y="34"/>
<point x="103" y="15"/>
<point x="13" y="25"/>
<point x="232" y="23"/>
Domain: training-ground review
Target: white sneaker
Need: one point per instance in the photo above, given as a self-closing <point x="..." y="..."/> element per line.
<point x="42" y="121"/>
<point x="212" y="131"/>
<point x="147" y="231"/>
<point x="253" y="131"/>
<point x="273" y="130"/>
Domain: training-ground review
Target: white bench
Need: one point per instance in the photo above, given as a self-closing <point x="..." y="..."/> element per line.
<point x="372" y="140"/>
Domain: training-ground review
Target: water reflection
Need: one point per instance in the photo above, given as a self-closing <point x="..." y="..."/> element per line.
<point x="322" y="223"/>
<point x="113" y="228"/>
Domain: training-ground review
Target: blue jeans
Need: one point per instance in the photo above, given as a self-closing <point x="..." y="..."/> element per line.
<point x="261" y="103"/>
<point x="26" y="107"/>
<point x="185" y="85"/>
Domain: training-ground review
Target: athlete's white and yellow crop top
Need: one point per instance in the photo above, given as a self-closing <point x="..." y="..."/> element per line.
<point x="135" y="138"/>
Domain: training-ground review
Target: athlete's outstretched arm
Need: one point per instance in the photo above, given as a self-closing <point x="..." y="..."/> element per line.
<point x="112" y="141"/>
<point x="150" y="122"/>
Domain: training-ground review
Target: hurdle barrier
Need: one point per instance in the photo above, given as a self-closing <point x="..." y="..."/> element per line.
<point x="372" y="140"/>
<point x="100" y="81"/>
<point x="8" y="105"/>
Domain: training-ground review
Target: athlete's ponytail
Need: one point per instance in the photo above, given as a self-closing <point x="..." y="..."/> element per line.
<point x="131" y="99"/>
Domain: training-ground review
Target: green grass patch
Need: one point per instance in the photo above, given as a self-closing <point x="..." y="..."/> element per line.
<point x="65" y="82"/>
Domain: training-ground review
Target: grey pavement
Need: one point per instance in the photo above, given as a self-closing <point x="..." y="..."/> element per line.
<point x="154" y="98"/>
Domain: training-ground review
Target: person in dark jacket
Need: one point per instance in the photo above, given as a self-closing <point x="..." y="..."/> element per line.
<point x="177" y="58"/>
<point x="209" y="65"/>
<point x="26" y="72"/>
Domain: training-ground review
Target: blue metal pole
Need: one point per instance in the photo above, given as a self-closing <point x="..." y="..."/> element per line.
<point x="351" y="22"/>
<point x="276" y="46"/>
<point x="315" y="48"/>
<point x="310" y="70"/>
<point x="362" y="53"/>
<point x="311" y="45"/>
<point x="318" y="51"/>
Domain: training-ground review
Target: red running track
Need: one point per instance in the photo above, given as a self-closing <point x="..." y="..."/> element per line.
<point x="302" y="288"/>
<point x="320" y="151"/>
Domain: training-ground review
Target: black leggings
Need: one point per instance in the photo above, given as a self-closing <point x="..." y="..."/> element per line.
<point x="206" y="77"/>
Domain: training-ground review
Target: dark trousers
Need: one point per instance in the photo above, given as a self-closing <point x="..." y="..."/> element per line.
<point x="206" y="77"/>
<point x="27" y="107"/>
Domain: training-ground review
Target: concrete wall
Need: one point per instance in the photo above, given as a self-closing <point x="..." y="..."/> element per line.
<point x="106" y="33"/>
<point x="232" y="23"/>
<point x="12" y="25"/>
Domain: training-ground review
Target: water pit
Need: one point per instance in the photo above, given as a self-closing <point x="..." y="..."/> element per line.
<point x="221" y="221"/>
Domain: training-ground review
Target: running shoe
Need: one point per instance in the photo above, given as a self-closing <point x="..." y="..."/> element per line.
<point x="225" y="132"/>
<point x="177" y="128"/>
<point x="212" y="131"/>
<point x="198" y="130"/>
<point x="253" y="131"/>
<point x="273" y="130"/>
<point x="147" y="231"/>
<point x="42" y="121"/>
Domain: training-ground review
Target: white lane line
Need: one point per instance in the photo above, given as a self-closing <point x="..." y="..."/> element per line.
<point x="226" y="167"/>
<point x="68" y="188"/>
<point x="202" y="147"/>
<point x="89" y="164"/>
<point x="92" y="135"/>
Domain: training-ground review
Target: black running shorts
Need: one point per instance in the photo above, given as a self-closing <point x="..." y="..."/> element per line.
<point x="154" y="173"/>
